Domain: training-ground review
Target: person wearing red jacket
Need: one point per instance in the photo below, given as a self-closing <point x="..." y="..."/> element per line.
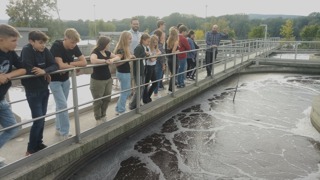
<point x="182" y="58"/>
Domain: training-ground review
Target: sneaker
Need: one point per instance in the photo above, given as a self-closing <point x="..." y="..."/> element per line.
<point x="2" y="159"/>
<point x="98" y="122"/>
<point x="104" y="119"/>
<point x="28" y="153"/>
<point x="157" y="96"/>
<point x="58" y="134"/>
<point x="119" y="113"/>
<point x="42" y="146"/>
<point x="2" y="164"/>
<point x="131" y="108"/>
<point x="65" y="137"/>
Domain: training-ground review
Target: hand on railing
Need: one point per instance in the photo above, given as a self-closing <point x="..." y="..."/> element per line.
<point x="147" y="53"/>
<point x="38" y="71"/>
<point x="4" y="78"/>
<point x="47" y="77"/>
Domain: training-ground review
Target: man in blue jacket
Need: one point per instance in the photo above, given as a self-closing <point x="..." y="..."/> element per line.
<point x="213" y="40"/>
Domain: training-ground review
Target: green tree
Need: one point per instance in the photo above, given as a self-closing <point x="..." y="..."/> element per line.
<point x="100" y="26"/>
<point x="199" y="34"/>
<point x="30" y="13"/>
<point x="80" y="25"/>
<point x="256" y="32"/>
<point x="56" y="29"/>
<point x="311" y="32"/>
<point x="286" y="30"/>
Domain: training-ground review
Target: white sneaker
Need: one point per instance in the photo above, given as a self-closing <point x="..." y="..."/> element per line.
<point x="157" y="96"/>
<point x="118" y="113"/>
<point x="58" y="134"/>
<point x="2" y="159"/>
<point x="99" y="121"/>
<point x="104" y="119"/>
<point x="65" y="137"/>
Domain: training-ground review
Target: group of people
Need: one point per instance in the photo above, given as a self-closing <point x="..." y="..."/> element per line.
<point x="36" y="59"/>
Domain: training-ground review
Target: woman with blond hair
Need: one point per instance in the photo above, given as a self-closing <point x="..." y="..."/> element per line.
<point x="172" y="46"/>
<point x="151" y="70"/>
<point x="101" y="81"/>
<point x="122" y="50"/>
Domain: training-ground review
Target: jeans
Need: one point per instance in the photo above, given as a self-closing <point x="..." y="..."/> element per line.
<point x="125" y="84"/>
<point x="7" y="119"/>
<point x="60" y="91"/>
<point x="38" y="103"/>
<point x="182" y="65"/>
<point x="159" y="74"/>
<point x="134" y="99"/>
<point x="100" y="88"/>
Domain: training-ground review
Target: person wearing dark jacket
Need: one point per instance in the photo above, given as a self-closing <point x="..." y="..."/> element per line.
<point x="191" y="56"/>
<point x="213" y="39"/>
<point x="8" y="59"/>
<point x="141" y="51"/>
<point x="37" y="60"/>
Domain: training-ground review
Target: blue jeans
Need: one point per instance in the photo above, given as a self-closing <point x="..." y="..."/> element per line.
<point x="60" y="91"/>
<point x="38" y="103"/>
<point x="125" y="84"/>
<point x="182" y="65"/>
<point x="6" y="119"/>
<point x="159" y="73"/>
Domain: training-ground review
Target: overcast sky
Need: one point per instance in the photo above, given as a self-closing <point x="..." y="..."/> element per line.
<point x="119" y="9"/>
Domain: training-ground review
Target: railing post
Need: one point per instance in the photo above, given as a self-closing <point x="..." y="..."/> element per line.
<point x="173" y="85"/>
<point x="256" y="47"/>
<point x="242" y="52"/>
<point x="75" y="104"/>
<point x="203" y="59"/>
<point x="197" y="68"/>
<point x="213" y="60"/>
<point x="295" y="50"/>
<point x="138" y="84"/>
<point x="225" y="60"/>
<point x="235" y="57"/>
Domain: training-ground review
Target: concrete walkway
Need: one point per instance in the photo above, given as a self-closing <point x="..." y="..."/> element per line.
<point x="16" y="148"/>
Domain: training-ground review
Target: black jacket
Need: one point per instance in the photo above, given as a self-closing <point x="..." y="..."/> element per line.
<point x="139" y="52"/>
<point x="32" y="58"/>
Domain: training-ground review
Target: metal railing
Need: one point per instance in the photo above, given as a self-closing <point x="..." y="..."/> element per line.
<point x="229" y="56"/>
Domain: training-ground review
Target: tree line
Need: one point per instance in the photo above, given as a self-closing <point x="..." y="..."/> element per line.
<point x="32" y="13"/>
